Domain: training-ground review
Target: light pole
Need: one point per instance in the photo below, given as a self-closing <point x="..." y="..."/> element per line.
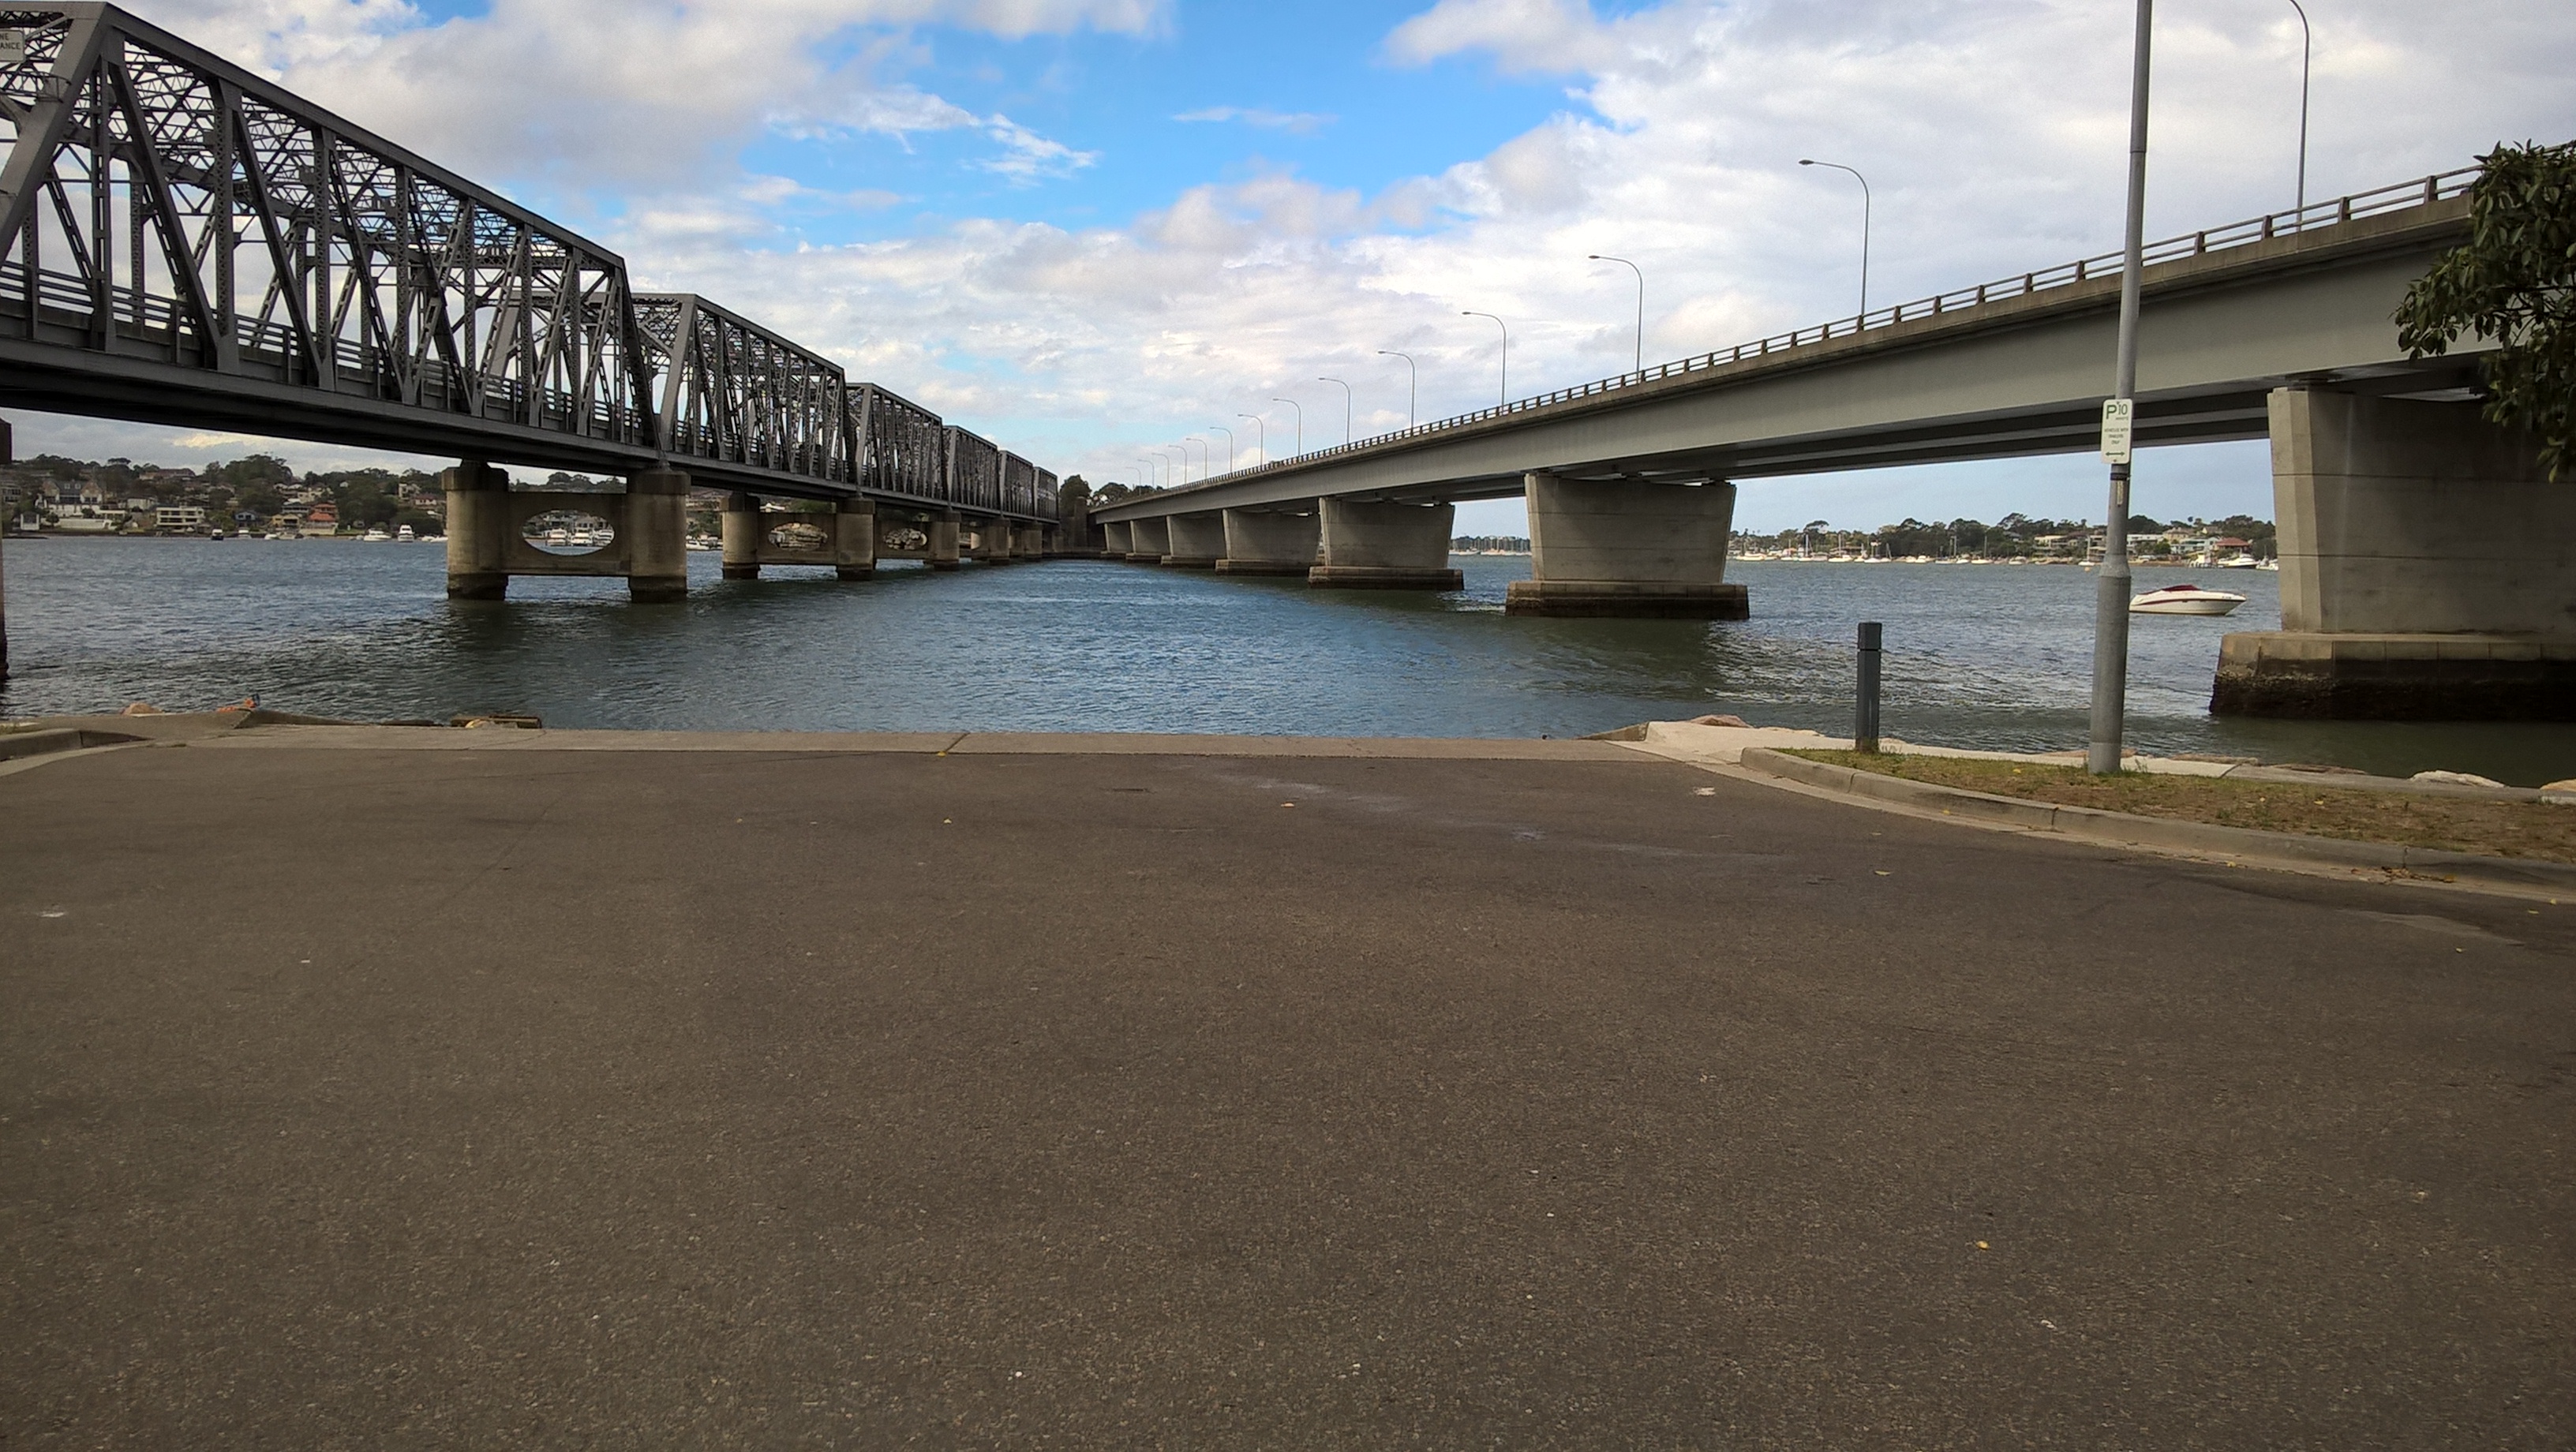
<point x="1346" y="409"/>
<point x="1229" y="445"/>
<point x="1153" y="469"/>
<point x="1207" y="456"/>
<point x="1301" y="422"/>
<point x="1506" y="390"/>
<point x="1641" y="302"/>
<point x="1864" y="226"/>
<point x="2111" y="585"/>
<point x="2307" y="45"/>
<point x="1260" y="436"/>
<point x="1413" y="391"/>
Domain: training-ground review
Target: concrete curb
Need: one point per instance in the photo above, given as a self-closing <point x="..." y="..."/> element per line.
<point x="2199" y="838"/>
<point x="15" y="744"/>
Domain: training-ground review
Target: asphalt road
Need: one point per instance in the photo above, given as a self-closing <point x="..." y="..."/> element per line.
<point x="387" y="1099"/>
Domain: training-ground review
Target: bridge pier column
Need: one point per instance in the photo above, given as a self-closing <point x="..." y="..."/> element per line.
<point x="1198" y="540"/>
<point x="742" y="536"/>
<point x="1261" y="543"/>
<point x="854" y="539"/>
<point x="1148" y="541"/>
<point x="478" y="531"/>
<point x="2428" y="570"/>
<point x="1030" y="543"/>
<point x="943" y="540"/>
<point x="1375" y="546"/>
<point x="1116" y="540"/>
<point x="656" y="535"/>
<point x="1628" y="549"/>
<point x="993" y="541"/>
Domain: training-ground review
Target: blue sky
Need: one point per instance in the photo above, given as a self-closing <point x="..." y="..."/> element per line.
<point x="992" y="206"/>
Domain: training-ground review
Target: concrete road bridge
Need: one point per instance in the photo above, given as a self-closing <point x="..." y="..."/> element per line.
<point x="2427" y="568"/>
<point x="183" y="242"/>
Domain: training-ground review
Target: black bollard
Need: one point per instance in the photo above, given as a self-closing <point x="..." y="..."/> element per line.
<point x="1865" y="710"/>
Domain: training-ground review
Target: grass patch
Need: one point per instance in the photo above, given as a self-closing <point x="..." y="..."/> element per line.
<point x="2448" y="824"/>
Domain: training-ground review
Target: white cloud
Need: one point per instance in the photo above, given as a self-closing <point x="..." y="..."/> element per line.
<point x="1295" y="123"/>
<point x="1028" y="157"/>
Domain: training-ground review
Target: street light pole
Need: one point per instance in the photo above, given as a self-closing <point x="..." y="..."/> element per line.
<point x="1641" y="302"/>
<point x="2111" y="585"/>
<point x="1260" y="435"/>
<point x="1506" y="389"/>
<point x="1153" y="470"/>
<point x="2307" y="46"/>
<point x="1229" y="445"/>
<point x="1413" y="391"/>
<point x="1301" y="423"/>
<point x="1346" y="409"/>
<point x="1864" y="226"/>
<point x="1207" y="456"/>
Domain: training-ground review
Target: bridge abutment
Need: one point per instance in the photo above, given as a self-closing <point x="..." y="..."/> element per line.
<point x="1148" y="540"/>
<point x="1258" y="542"/>
<point x="2428" y="569"/>
<point x="1628" y="549"/>
<point x="1198" y="541"/>
<point x="478" y="531"/>
<point x="1385" y="546"/>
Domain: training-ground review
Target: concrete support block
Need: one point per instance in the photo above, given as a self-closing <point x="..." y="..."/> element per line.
<point x="1198" y="541"/>
<point x="2392" y="677"/>
<point x="1148" y="541"/>
<point x="1115" y="540"/>
<point x="478" y="531"/>
<point x="744" y="534"/>
<point x="943" y="541"/>
<point x="1630" y="549"/>
<point x="993" y="541"/>
<point x="854" y="539"/>
<point x="655" y="533"/>
<point x="1031" y="543"/>
<point x="2428" y="570"/>
<point x="1386" y="547"/>
<point x="1261" y="543"/>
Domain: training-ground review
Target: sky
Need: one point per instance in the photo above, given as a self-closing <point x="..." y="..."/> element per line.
<point x="1091" y="228"/>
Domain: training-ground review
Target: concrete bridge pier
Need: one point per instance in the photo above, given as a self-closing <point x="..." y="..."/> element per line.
<point x="654" y="528"/>
<point x="2428" y="569"/>
<point x="993" y="541"/>
<point x="743" y="536"/>
<point x="478" y="531"/>
<point x="943" y="540"/>
<point x="1148" y="541"/>
<point x="1386" y="546"/>
<point x="1630" y="549"/>
<point x="1030" y="543"/>
<point x="1258" y="542"/>
<point x="1115" y="539"/>
<point x="1198" y="540"/>
<point x="854" y="539"/>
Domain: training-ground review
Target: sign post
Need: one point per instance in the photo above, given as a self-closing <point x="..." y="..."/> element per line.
<point x="2111" y="583"/>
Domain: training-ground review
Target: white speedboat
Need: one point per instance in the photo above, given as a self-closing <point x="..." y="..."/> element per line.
<point x="2238" y="562"/>
<point x="2184" y="599"/>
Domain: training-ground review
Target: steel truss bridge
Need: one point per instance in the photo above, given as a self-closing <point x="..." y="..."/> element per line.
<point x="183" y="242"/>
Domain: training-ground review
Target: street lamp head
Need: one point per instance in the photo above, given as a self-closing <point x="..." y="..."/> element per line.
<point x="1806" y="161"/>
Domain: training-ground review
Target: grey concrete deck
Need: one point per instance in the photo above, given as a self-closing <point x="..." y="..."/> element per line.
<point x="389" y="1097"/>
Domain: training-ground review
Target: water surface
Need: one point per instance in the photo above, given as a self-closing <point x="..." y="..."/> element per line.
<point x="1985" y="656"/>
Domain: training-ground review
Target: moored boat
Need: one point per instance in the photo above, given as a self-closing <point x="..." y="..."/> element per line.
<point x="2184" y="599"/>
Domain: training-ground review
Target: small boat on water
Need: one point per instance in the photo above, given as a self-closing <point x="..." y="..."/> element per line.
<point x="2238" y="562"/>
<point x="404" y="535"/>
<point x="2184" y="599"/>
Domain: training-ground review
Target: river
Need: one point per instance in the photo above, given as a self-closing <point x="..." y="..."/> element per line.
<point x="1977" y="655"/>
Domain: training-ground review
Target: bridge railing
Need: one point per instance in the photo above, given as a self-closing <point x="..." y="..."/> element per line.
<point x="2265" y="228"/>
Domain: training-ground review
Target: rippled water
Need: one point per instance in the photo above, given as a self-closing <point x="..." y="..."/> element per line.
<point x="1977" y="655"/>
